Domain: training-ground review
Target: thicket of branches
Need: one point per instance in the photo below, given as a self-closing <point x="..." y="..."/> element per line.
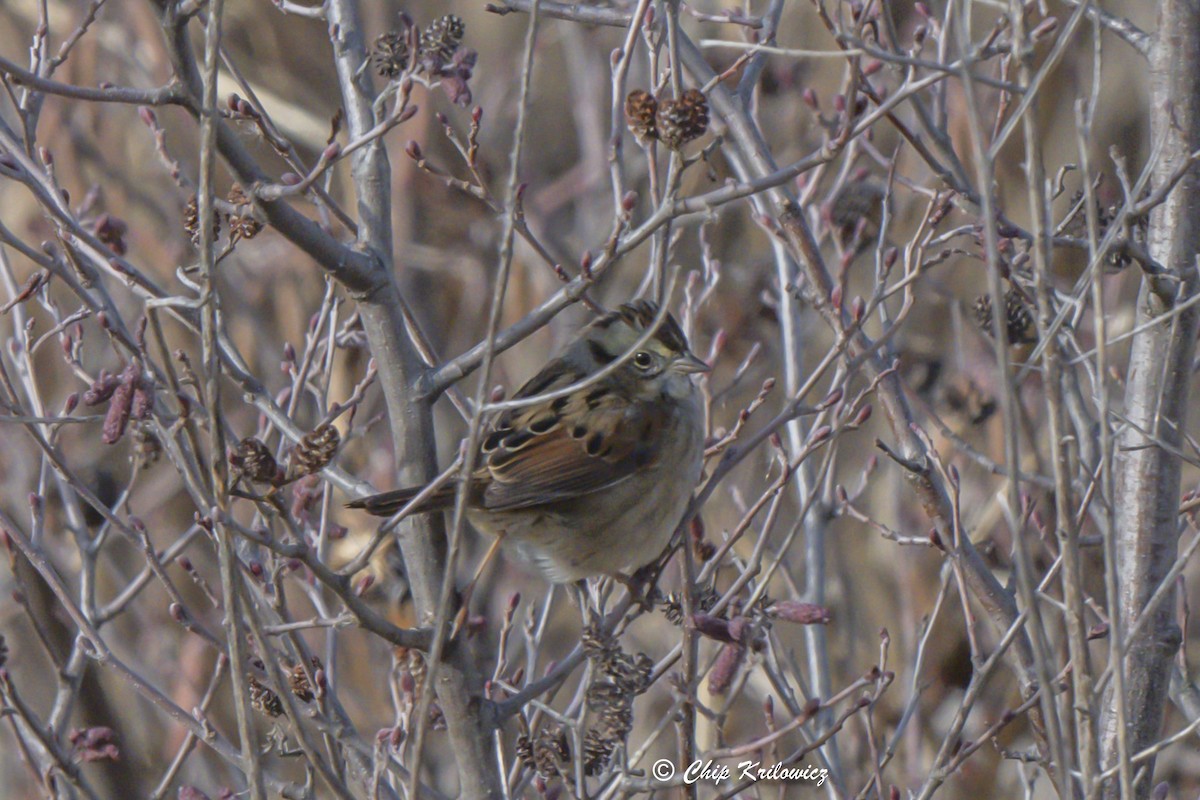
<point x="260" y="258"/>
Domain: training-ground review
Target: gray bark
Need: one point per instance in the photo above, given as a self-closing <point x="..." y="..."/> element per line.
<point x="1147" y="491"/>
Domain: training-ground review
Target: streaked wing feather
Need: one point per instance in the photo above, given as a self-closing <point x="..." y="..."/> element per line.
<point x="554" y="469"/>
<point x="536" y="458"/>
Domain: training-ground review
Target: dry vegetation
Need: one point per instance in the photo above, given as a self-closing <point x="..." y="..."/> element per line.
<point x="926" y="247"/>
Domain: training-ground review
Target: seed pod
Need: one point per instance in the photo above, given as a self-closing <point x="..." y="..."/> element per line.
<point x="298" y="680"/>
<point x="1018" y="317"/>
<point x="263" y="699"/>
<point x="315" y="451"/>
<point x="191" y="221"/>
<point x="439" y="41"/>
<point x="641" y="109"/>
<point x="390" y="54"/>
<point x="254" y="460"/>
<point x="242" y="223"/>
<point x="680" y="121"/>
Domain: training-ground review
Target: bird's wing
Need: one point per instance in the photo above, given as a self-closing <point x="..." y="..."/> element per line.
<point x="567" y="447"/>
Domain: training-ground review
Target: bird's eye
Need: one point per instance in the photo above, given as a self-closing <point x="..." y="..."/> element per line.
<point x="642" y="360"/>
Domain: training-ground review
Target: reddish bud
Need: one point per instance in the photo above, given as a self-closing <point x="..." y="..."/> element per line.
<point x="413" y="150"/>
<point x="332" y="151"/>
<point x="148" y="116"/>
<point x="810" y="99"/>
<point x="143" y="402"/>
<point x="820" y="434"/>
<point x="739" y="628"/>
<point x="121" y="405"/>
<point x="873" y="66"/>
<point x="800" y="613"/>
<point x="711" y="626"/>
<point x="935" y="539"/>
<point x="1045" y="28"/>
<point x="864" y="414"/>
<point x="725" y="668"/>
<point x="889" y="257"/>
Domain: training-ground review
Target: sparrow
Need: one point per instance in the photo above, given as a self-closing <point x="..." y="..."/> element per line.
<point x="594" y="482"/>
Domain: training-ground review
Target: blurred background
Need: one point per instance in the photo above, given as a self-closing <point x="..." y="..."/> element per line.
<point x="446" y="256"/>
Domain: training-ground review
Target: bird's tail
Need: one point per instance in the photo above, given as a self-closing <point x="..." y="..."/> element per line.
<point x="385" y="504"/>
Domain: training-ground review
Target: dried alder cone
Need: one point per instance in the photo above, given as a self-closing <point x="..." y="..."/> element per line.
<point x="254" y="460"/>
<point x="314" y="452"/>
<point x="298" y="680"/>
<point x="618" y="678"/>
<point x="640" y="111"/>
<point x="390" y="55"/>
<point x="440" y="39"/>
<point x="191" y="221"/>
<point x="546" y="753"/>
<point x="262" y="698"/>
<point x="673" y="122"/>
<point x="1076" y="227"/>
<point x="242" y="224"/>
<point x="439" y="55"/>
<point x="1018" y="317"/>
<point x="680" y="121"/>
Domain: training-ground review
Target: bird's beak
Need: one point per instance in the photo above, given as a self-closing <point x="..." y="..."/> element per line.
<point x="688" y="363"/>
